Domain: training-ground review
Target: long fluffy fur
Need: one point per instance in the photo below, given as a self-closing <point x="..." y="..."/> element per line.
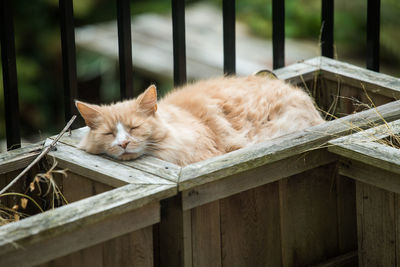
<point x="201" y="120"/>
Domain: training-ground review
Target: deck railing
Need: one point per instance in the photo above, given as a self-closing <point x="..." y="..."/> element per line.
<point x="178" y="24"/>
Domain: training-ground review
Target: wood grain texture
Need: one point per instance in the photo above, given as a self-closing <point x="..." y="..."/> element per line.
<point x="101" y="169"/>
<point x="81" y="224"/>
<point x="346" y="260"/>
<point x="378" y="83"/>
<point x="76" y="187"/>
<point x="254" y="177"/>
<point x="19" y="158"/>
<point x="133" y="249"/>
<point x="370" y="175"/>
<point x="376" y="222"/>
<point x="171" y="233"/>
<point x="206" y="235"/>
<point x="92" y="256"/>
<point x="282" y="147"/>
<point x="308" y="207"/>
<point x="347" y="215"/>
<point x="362" y="147"/>
<point x="250" y="228"/>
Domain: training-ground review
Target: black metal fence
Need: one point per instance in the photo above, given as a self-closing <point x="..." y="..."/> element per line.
<point x="178" y="23"/>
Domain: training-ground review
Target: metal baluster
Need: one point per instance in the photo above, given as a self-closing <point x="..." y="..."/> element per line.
<point x="178" y="36"/>
<point x="278" y="33"/>
<point x="68" y="57"/>
<point x="327" y="28"/>
<point x="228" y="22"/>
<point x="125" y="49"/>
<point x="373" y="33"/>
<point x="9" y="75"/>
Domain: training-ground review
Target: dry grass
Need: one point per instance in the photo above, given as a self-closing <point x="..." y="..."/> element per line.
<point x="43" y="186"/>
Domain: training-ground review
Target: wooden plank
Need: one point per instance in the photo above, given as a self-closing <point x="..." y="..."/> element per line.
<point x="84" y="237"/>
<point x="279" y="148"/>
<point x="18" y="158"/>
<point x="371" y="153"/>
<point x="173" y="229"/>
<point x="298" y="73"/>
<point x="156" y="166"/>
<point x="254" y="177"/>
<point x="133" y="249"/>
<point x="308" y="208"/>
<point x="187" y="239"/>
<point x="101" y="169"/>
<point x="250" y="228"/>
<point x="77" y="187"/>
<point x="92" y="256"/>
<point x="147" y="164"/>
<point x="370" y="175"/>
<point x="81" y="224"/>
<point x="206" y="235"/>
<point x="378" y="83"/>
<point x="377" y="226"/>
<point x="346" y="212"/>
<point x="346" y="260"/>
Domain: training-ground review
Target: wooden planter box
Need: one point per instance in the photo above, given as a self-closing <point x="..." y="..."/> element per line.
<point x="279" y="203"/>
<point x="109" y="222"/>
<point x="375" y="167"/>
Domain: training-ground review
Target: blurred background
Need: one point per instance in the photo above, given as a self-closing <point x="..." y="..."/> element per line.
<point x="38" y="48"/>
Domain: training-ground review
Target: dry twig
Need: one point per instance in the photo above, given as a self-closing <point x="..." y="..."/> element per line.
<point x="40" y="156"/>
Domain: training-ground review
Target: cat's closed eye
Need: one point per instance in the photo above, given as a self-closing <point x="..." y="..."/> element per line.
<point x="109" y="133"/>
<point x="134" y="127"/>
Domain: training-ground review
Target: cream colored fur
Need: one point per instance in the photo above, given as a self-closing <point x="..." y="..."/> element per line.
<point x="198" y="121"/>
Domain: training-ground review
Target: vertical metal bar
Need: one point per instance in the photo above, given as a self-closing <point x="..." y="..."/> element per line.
<point x="327" y="16"/>
<point x="125" y="48"/>
<point x="373" y="33"/>
<point x="9" y="75"/>
<point x="68" y="57"/>
<point x="178" y="36"/>
<point x="229" y="30"/>
<point x="278" y="33"/>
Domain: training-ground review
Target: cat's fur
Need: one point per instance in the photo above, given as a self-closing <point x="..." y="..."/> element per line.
<point x="198" y="121"/>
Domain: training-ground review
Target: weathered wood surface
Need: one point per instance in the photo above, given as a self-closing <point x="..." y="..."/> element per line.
<point x="252" y="178"/>
<point x="282" y="147"/>
<point x="346" y="260"/>
<point x="250" y="228"/>
<point x="101" y="169"/>
<point x="377" y="220"/>
<point x="370" y="175"/>
<point x="206" y="235"/>
<point x="300" y="72"/>
<point x="375" y="82"/>
<point x="132" y="249"/>
<point x="346" y="213"/>
<point x="147" y="164"/>
<point x="172" y="231"/>
<point x="81" y="224"/>
<point x="309" y="224"/>
<point x="366" y="146"/>
<point x="18" y="158"/>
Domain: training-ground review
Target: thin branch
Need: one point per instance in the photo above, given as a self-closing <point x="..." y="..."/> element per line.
<point x="40" y="156"/>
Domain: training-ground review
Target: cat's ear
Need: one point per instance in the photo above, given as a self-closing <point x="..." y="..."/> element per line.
<point x="90" y="113"/>
<point x="148" y="100"/>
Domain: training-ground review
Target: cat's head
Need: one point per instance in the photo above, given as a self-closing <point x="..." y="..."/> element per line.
<point x="124" y="130"/>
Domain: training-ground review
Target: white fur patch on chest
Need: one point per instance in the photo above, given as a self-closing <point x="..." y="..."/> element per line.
<point x="121" y="135"/>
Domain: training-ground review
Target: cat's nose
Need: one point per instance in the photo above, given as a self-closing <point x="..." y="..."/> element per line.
<point x="124" y="144"/>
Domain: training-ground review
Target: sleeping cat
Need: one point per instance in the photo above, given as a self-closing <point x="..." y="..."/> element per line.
<point x="199" y="120"/>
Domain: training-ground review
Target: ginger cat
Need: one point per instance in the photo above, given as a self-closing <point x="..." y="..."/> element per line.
<point x="199" y="120"/>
